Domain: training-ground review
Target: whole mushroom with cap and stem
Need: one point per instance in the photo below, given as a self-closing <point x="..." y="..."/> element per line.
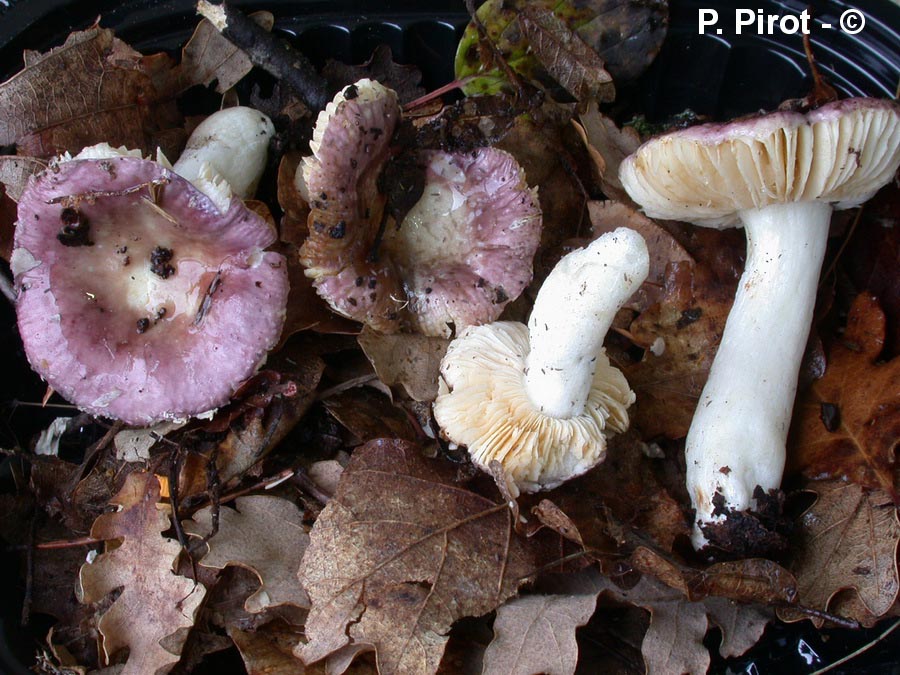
<point x="780" y="176"/>
<point x="142" y="297"/>
<point x="455" y="255"/>
<point x="540" y="399"/>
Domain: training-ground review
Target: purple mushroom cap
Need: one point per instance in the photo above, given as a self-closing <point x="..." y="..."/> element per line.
<point x="138" y="300"/>
<point x="465" y="250"/>
<point x="459" y="256"/>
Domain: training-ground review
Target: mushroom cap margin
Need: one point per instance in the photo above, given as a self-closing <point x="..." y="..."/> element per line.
<point x="842" y="153"/>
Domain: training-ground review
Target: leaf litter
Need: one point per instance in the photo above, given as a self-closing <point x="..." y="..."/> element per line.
<point x="318" y="523"/>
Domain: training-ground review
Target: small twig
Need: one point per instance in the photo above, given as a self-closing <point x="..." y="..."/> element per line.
<point x="306" y="484"/>
<point x="559" y="562"/>
<point x="90" y="456"/>
<point x="344" y="386"/>
<point x="213" y="489"/>
<point x="174" y="473"/>
<point x="841" y="621"/>
<point x="29" y="572"/>
<point x="440" y="91"/>
<point x="859" y="651"/>
<point x="822" y="91"/>
<point x="75" y="199"/>
<point x="268" y="52"/>
<point x="840" y="251"/>
<point x="231" y="496"/>
<point x="68" y="543"/>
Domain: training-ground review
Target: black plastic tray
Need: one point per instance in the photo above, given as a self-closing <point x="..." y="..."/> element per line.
<point x="718" y="75"/>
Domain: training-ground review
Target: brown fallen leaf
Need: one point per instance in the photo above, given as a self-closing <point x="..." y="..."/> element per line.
<point x="293" y="228"/>
<point x="663" y="248"/>
<point x="269" y="649"/>
<point x="155" y="603"/>
<point x="565" y="55"/>
<point x="368" y="414"/>
<point x="264" y="534"/>
<point x="404" y="79"/>
<point x="673" y="642"/>
<point x="536" y="634"/>
<point x="847" y="424"/>
<point x="108" y="93"/>
<point x="400" y="553"/>
<point x="846" y="540"/>
<point x="15" y="172"/>
<point x="625" y="488"/>
<point x="208" y="57"/>
<point x="607" y="146"/>
<point x="749" y="580"/>
<point x="681" y="334"/>
<point x="410" y="360"/>
<point x="871" y="256"/>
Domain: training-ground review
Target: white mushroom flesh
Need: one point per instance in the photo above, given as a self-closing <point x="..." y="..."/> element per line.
<point x="737" y="437"/>
<point x="572" y="314"/>
<point x="226" y="154"/>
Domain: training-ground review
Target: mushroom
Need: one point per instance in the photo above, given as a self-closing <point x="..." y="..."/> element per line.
<point x="780" y="176"/>
<point x="230" y="145"/>
<point x="139" y="297"/>
<point x="539" y="398"/>
<point x="459" y="254"/>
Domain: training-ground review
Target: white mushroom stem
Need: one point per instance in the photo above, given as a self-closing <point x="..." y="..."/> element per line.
<point x="229" y="145"/>
<point x="737" y="437"/>
<point x="572" y="314"/>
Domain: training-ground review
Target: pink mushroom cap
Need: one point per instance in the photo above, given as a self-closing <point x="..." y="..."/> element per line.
<point x="137" y="299"/>
<point x="461" y="253"/>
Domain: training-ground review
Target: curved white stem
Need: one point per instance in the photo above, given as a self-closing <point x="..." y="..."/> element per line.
<point x="572" y="313"/>
<point x="737" y="437"/>
<point x="230" y="144"/>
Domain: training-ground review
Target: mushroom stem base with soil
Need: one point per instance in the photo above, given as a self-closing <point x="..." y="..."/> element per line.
<point x="737" y="438"/>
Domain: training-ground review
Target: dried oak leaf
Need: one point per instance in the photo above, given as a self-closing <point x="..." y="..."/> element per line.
<point x="871" y="257"/>
<point x="268" y="650"/>
<point x="15" y="172"/>
<point x="264" y="534"/>
<point x="369" y="414"/>
<point x="565" y="55"/>
<point x="847" y="424"/>
<point x="607" y="146"/>
<point x="673" y="643"/>
<point x="663" y="248"/>
<point x="92" y="88"/>
<point x="410" y="360"/>
<point x="536" y="634"/>
<point x="155" y="603"/>
<point x="400" y="553"/>
<point x="406" y="80"/>
<point x="626" y="489"/>
<point x="681" y="334"/>
<point x="846" y="540"/>
<point x="749" y="580"/>
<point x="209" y="57"/>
